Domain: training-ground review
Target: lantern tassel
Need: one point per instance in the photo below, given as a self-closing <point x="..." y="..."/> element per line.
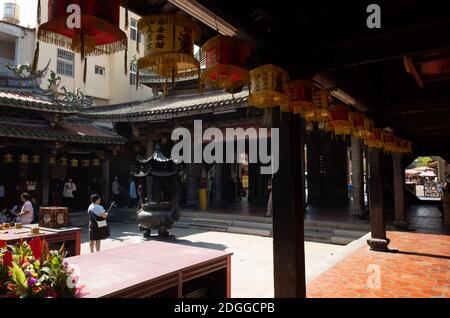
<point x="125" y="64"/>
<point x="137" y="79"/>
<point x="36" y="58"/>
<point x="82" y="45"/>
<point x="39" y="12"/>
<point x="85" y="70"/>
<point x="126" y="15"/>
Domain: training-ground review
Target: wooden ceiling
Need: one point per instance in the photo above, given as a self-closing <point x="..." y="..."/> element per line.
<point x="331" y="37"/>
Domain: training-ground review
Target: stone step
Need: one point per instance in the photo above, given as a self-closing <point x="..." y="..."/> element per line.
<point x="312" y="236"/>
<point x="339" y="225"/>
<point x="342" y="240"/>
<point x="349" y="233"/>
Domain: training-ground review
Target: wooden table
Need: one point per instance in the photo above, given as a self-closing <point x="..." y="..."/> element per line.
<point x="71" y="237"/>
<point x="155" y="269"/>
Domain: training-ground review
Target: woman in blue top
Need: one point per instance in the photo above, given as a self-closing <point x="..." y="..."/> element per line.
<point x="98" y="228"/>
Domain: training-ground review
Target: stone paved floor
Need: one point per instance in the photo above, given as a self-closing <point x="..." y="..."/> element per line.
<point x="419" y="268"/>
<point x="252" y="260"/>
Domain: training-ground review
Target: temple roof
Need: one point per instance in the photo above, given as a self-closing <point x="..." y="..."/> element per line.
<point x="72" y="132"/>
<point x="158" y="108"/>
<point x="32" y="100"/>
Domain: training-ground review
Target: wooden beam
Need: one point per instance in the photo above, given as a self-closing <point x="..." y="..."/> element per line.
<point x="411" y="69"/>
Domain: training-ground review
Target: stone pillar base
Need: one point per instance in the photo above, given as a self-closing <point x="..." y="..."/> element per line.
<point x="401" y="224"/>
<point x="380" y="245"/>
<point x="358" y="212"/>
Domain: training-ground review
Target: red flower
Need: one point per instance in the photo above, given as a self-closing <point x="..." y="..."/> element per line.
<point x="7" y="259"/>
<point x="2" y="244"/>
<point x="36" y="247"/>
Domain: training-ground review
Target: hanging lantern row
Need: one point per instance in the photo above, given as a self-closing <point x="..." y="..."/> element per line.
<point x="36" y="159"/>
<point x="75" y="163"/>
<point x="23" y="158"/>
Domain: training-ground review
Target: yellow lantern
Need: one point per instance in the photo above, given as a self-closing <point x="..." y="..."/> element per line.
<point x="320" y="112"/>
<point x="35" y="159"/>
<point x="169" y="45"/>
<point x="8" y="158"/>
<point x="85" y="163"/>
<point x="389" y="142"/>
<point x="225" y="59"/>
<point x="301" y="96"/>
<point x="74" y="163"/>
<point x="24" y="158"/>
<point x="269" y="87"/>
<point x="63" y="162"/>
<point x="95" y="162"/>
<point x="375" y="141"/>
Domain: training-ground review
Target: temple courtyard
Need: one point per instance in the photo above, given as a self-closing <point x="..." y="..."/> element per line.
<point x="418" y="265"/>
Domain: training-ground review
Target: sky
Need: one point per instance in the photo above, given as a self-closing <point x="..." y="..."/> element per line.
<point x="27" y="11"/>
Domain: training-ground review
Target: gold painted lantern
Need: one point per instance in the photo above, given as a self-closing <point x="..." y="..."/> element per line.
<point x="35" y="159"/>
<point x="85" y="163"/>
<point x="225" y="63"/>
<point x="339" y="120"/>
<point x="169" y="45"/>
<point x="74" y="163"/>
<point x="8" y="158"/>
<point x="320" y="112"/>
<point x="389" y="142"/>
<point x="301" y="96"/>
<point x="63" y="162"/>
<point x="375" y="141"/>
<point x="269" y="87"/>
<point x="24" y="158"/>
<point x="95" y="162"/>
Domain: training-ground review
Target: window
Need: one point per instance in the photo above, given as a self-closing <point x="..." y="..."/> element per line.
<point x="99" y="70"/>
<point x="65" y="65"/>
<point x="134" y="34"/>
<point x="133" y="74"/>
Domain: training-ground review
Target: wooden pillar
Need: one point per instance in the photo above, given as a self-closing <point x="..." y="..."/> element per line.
<point x="288" y="209"/>
<point x="357" y="177"/>
<point x="378" y="241"/>
<point x="106" y="179"/>
<point x="45" y="179"/>
<point x="399" y="191"/>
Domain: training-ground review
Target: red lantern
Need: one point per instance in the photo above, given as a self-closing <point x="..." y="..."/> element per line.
<point x="99" y="31"/>
<point x="301" y="96"/>
<point x="339" y="120"/>
<point x="225" y="63"/>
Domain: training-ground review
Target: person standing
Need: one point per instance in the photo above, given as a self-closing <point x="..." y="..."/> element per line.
<point x="270" y="202"/>
<point x="2" y="196"/>
<point x="26" y="214"/>
<point x="68" y="193"/>
<point x="98" y="228"/>
<point x="115" y="190"/>
<point x="132" y="194"/>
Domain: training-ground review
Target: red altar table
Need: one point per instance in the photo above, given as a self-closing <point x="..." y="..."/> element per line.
<point x="70" y="237"/>
<point x="155" y="269"/>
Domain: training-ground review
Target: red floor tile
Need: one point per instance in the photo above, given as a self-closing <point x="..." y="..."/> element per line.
<point x="419" y="268"/>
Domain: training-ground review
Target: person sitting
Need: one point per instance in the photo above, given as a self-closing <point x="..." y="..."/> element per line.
<point x="26" y="214"/>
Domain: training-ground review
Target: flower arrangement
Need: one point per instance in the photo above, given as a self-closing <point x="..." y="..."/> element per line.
<point x="31" y="270"/>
